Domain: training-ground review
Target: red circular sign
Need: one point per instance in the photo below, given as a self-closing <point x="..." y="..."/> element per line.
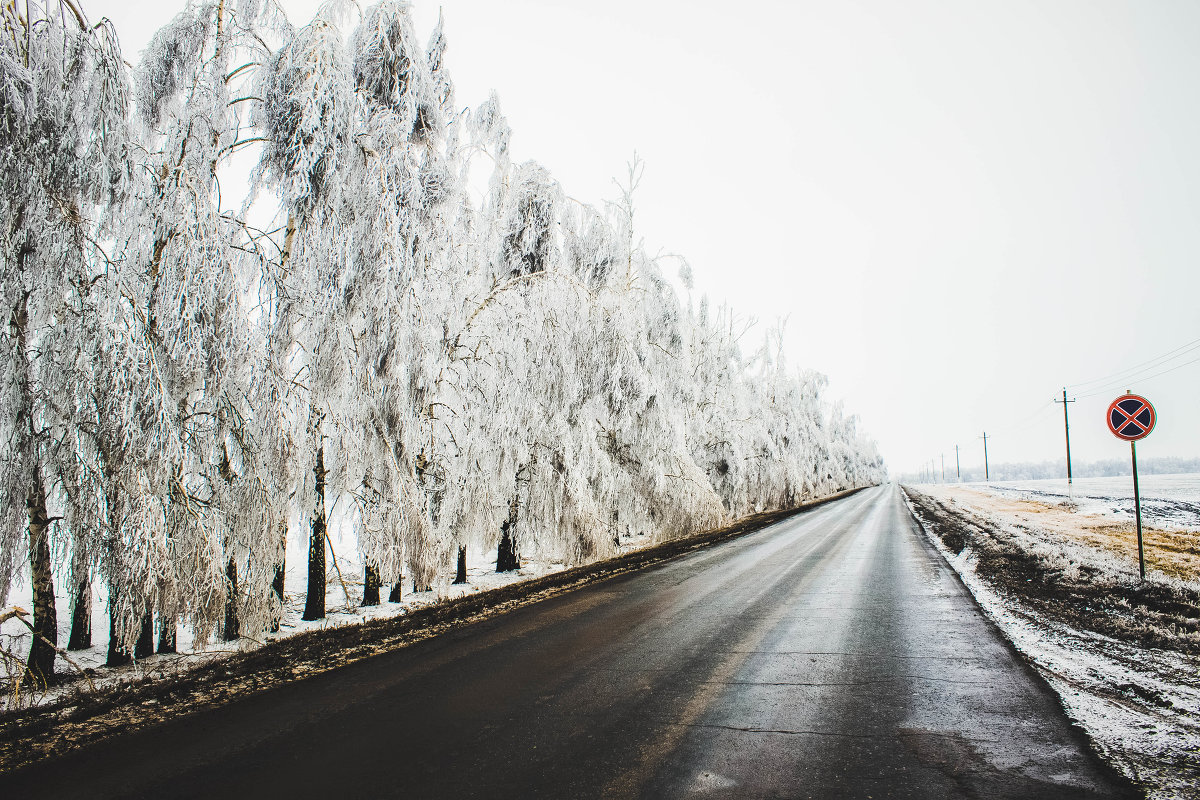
<point x="1131" y="417"/>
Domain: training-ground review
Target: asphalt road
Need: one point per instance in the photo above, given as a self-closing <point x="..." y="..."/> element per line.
<point x="830" y="655"/>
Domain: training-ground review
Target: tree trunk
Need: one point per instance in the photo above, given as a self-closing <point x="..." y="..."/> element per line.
<point x="314" y="602"/>
<point x="232" y="630"/>
<point x="166" y="635"/>
<point x="277" y="588"/>
<point x="81" y="618"/>
<point x="370" y="586"/>
<point x="461" y="576"/>
<point x="145" y="643"/>
<point x="117" y="655"/>
<point x="507" y="557"/>
<point x="45" y="618"/>
<point x="277" y="584"/>
<point x="397" y="594"/>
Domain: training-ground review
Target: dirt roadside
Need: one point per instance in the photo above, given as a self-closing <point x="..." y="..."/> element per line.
<point x="83" y="717"/>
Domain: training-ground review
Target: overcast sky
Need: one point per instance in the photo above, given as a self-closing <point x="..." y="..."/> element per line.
<point x="959" y="206"/>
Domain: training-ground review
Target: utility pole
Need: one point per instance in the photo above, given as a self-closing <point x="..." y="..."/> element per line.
<point x="986" y="475"/>
<point x="1067" y="430"/>
<point x="957" y="468"/>
<point x="943" y="467"/>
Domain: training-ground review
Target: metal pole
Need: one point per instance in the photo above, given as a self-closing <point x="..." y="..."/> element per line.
<point x="1137" y="504"/>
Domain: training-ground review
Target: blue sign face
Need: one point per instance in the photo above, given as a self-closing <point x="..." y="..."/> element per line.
<point x="1131" y="417"/>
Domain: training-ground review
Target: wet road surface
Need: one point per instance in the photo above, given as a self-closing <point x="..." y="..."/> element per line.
<point x="831" y="655"/>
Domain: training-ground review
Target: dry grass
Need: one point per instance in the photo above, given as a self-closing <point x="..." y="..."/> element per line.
<point x="1172" y="552"/>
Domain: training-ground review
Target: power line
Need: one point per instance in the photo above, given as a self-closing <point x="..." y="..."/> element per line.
<point x="1104" y="385"/>
<point x="1113" y="385"/>
<point x="1021" y="422"/>
<point x="1122" y="375"/>
<point x="1140" y="374"/>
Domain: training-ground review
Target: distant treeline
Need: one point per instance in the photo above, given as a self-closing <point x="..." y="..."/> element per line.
<point x="1032" y="471"/>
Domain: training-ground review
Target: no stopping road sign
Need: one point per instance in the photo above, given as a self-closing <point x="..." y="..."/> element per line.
<point x="1131" y="417"/>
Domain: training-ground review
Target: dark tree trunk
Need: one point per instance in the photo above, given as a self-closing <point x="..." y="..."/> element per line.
<point x="81" y="618"/>
<point x="277" y="584"/>
<point x="461" y="575"/>
<point x="45" y="618"/>
<point x="144" y="648"/>
<point x="117" y="655"/>
<point x="507" y="557"/>
<point x="166" y="635"/>
<point x="277" y="588"/>
<point x="370" y="586"/>
<point x="397" y="594"/>
<point x="314" y="602"/>
<point x="232" y="631"/>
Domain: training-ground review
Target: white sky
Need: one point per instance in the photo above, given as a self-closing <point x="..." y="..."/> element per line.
<point x="960" y="206"/>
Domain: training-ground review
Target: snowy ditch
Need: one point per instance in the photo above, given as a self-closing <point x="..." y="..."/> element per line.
<point x="1123" y="657"/>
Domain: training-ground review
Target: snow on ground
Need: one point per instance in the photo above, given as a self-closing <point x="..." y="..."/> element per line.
<point x="1140" y="705"/>
<point x="1167" y="500"/>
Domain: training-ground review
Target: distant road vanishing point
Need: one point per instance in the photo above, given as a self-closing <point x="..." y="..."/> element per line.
<point x="833" y="654"/>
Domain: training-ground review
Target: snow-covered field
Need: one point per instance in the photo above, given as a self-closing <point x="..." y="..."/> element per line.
<point x="1123" y="656"/>
<point x="1167" y="500"/>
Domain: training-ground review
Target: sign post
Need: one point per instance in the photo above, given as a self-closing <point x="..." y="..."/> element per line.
<point x="1131" y="417"/>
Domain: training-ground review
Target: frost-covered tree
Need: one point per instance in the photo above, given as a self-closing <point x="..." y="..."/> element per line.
<point x="398" y="289"/>
<point x="358" y="149"/>
<point x="203" y="498"/>
<point x="175" y="384"/>
<point x="305" y="108"/>
<point x="64" y="154"/>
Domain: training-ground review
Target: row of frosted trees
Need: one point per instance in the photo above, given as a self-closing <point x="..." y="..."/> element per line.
<point x="189" y="376"/>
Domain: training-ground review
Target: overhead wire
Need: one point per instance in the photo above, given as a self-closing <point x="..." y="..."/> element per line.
<point x="1024" y="420"/>
<point x="1135" y="370"/>
<point x="1114" y="385"/>
<point x="1104" y="384"/>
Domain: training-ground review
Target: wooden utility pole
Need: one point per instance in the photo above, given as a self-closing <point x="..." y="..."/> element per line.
<point x="986" y="475"/>
<point x="1067" y="431"/>
<point x="957" y="468"/>
<point x="943" y="467"/>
